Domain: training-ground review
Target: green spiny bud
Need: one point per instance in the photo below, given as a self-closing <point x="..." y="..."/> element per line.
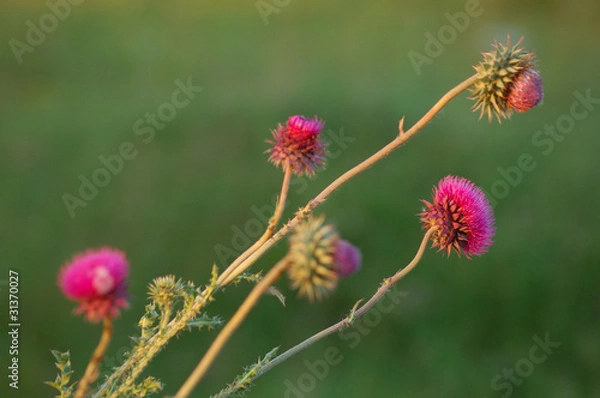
<point x="164" y="290"/>
<point x="499" y="71"/>
<point x="312" y="256"/>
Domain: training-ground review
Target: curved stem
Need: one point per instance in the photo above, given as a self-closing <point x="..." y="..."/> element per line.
<point x="224" y="278"/>
<point x="354" y="314"/>
<point x="235" y="321"/>
<point x="400" y="140"/>
<point x="91" y="372"/>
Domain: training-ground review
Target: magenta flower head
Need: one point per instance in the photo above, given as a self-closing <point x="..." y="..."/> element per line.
<point x="347" y="259"/>
<point x="297" y="146"/>
<point x="526" y="91"/>
<point x="462" y="216"/>
<point x="96" y="278"/>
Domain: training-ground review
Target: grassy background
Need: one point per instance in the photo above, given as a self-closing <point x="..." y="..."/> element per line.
<point x="79" y="93"/>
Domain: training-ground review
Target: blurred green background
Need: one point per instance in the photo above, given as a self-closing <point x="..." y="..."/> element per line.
<point x="78" y="94"/>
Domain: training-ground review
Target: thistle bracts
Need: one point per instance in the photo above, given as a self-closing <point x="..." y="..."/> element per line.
<point x="312" y="256"/>
<point x="507" y="81"/>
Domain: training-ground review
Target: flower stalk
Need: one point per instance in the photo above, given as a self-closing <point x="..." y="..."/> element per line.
<point x="231" y="326"/>
<point x="224" y="279"/>
<point x="355" y="313"/>
<point x="91" y="372"/>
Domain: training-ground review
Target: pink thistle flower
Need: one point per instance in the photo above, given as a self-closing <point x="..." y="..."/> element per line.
<point x="96" y="278"/>
<point x="347" y="259"/>
<point x="526" y="91"/>
<point x="303" y="128"/>
<point x="462" y="215"/>
<point x="298" y="146"/>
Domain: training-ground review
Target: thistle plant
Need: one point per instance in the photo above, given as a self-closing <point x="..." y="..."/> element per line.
<point x="458" y="218"/>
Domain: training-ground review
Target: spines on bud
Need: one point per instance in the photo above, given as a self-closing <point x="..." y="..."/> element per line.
<point x="312" y="258"/>
<point x="506" y="81"/>
<point x="318" y="258"/>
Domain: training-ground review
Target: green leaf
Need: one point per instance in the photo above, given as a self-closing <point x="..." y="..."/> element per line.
<point x="61" y="383"/>
<point x="205" y="320"/>
<point x="243" y="382"/>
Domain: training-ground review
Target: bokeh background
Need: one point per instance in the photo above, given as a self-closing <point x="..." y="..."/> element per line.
<point x="79" y="93"/>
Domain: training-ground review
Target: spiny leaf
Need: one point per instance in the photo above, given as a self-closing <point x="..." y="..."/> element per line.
<point x="61" y="383"/>
<point x="150" y="385"/>
<point x="205" y="320"/>
<point x="243" y="382"/>
<point x="255" y="278"/>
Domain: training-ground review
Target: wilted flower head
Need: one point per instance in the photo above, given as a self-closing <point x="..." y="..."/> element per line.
<point x="506" y="81"/>
<point x="96" y="278"/>
<point x="297" y="145"/>
<point x="462" y="216"/>
<point x="319" y="258"/>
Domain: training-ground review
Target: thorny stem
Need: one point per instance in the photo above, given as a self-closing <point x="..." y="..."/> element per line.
<point x="231" y="326"/>
<point x="91" y="372"/>
<point x="166" y="316"/>
<point x="400" y="140"/>
<point x="142" y="355"/>
<point x="225" y="278"/>
<point x="354" y="314"/>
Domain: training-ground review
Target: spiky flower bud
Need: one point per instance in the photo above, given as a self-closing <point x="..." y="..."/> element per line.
<point x="164" y="289"/>
<point x="96" y="278"/>
<point x="462" y="217"/>
<point x="298" y="146"/>
<point x="318" y="258"/>
<point x="506" y="81"/>
<point x="312" y="256"/>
